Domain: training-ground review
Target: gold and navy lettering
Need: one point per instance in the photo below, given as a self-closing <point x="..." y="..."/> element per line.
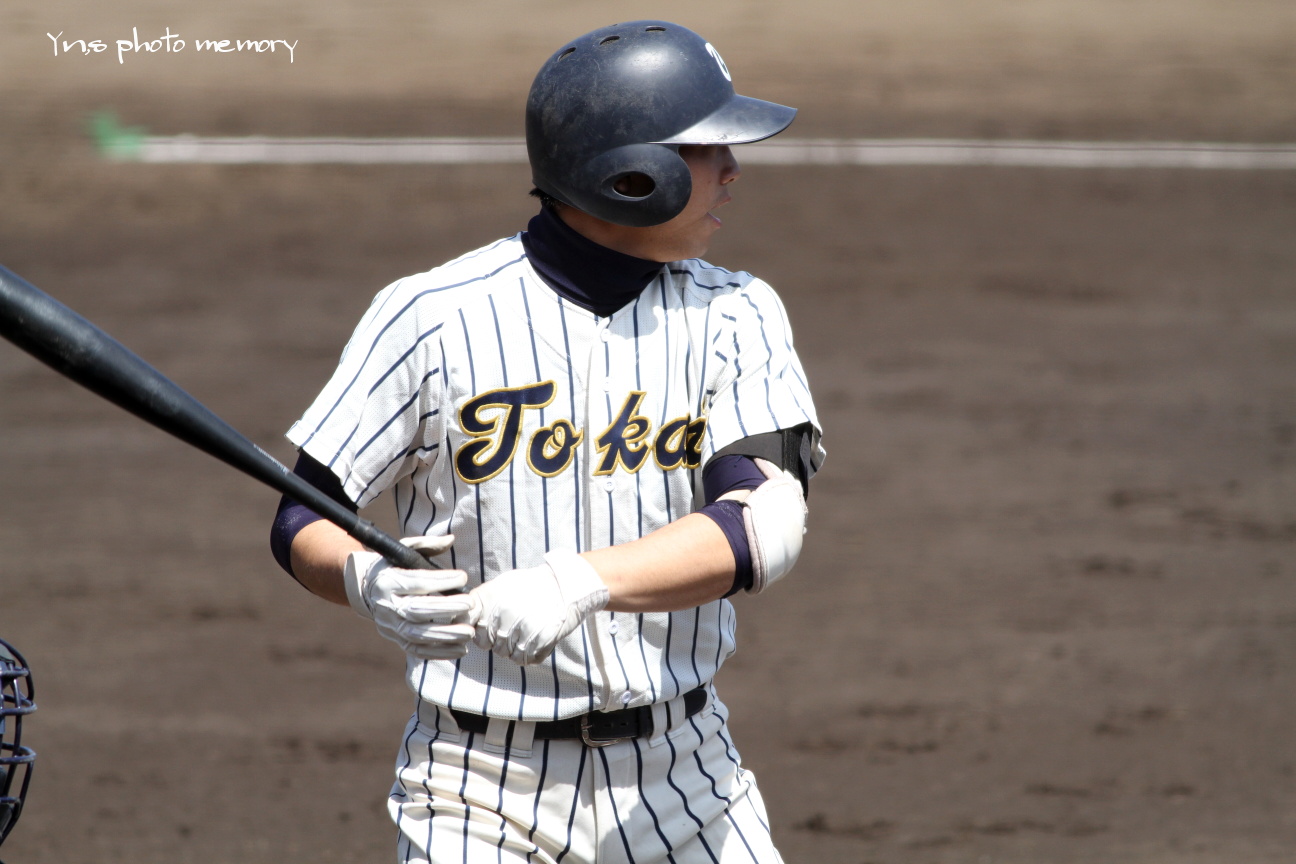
<point x="679" y="443"/>
<point x="552" y="448"/>
<point x="494" y="421"/>
<point x="493" y="443"/>
<point x="622" y="441"/>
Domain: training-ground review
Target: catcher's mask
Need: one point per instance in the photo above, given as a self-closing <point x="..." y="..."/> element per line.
<point x="618" y="103"/>
<point x="15" y="758"/>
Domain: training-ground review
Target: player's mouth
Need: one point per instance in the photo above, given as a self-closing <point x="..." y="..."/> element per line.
<point x="723" y="201"/>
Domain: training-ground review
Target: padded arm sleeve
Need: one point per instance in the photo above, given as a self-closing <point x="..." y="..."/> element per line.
<point x="774" y="516"/>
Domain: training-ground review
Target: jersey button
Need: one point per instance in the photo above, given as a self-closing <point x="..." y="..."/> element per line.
<point x="609" y="484"/>
<point x="613" y="628"/>
<point x="606" y="335"/>
<point x="626" y="697"/>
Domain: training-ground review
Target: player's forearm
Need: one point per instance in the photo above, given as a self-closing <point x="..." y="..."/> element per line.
<point x="679" y="566"/>
<point x="319" y="553"/>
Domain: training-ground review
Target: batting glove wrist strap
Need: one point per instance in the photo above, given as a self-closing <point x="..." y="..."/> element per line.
<point x="412" y="607"/>
<point x="523" y="614"/>
<point x="357" y="575"/>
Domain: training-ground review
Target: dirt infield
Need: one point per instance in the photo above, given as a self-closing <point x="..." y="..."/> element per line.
<point x="1046" y="613"/>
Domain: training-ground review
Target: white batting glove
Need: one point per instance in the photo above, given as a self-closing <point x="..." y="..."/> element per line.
<point x="411" y="607"/>
<point x="522" y="614"/>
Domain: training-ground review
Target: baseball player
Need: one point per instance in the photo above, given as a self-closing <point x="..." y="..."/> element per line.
<point x="597" y="437"/>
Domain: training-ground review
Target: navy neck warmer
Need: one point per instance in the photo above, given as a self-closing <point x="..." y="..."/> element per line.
<point x="593" y="277"/>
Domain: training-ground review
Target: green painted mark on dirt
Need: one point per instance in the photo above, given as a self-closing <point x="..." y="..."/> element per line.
<point x="113" y="140"/>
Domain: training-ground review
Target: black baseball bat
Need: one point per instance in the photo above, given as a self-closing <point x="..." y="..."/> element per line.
<point x="71" y="345"/>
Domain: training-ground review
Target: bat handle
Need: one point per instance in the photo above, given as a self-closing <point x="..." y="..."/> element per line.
<point x="73" y="346"/>
<point x="396" y="552"/>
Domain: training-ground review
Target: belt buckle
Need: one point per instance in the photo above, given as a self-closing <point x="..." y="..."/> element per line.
<point x="597" y="742"/>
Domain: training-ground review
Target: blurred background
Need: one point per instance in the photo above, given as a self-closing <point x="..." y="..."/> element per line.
<point x="1046" y="611"/>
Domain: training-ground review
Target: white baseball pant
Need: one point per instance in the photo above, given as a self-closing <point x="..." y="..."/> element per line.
<point x="678" y="796"/>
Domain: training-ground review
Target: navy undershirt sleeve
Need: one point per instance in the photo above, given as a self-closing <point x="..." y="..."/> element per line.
<point x="725" y="474"/>
<point x="292" y="517"/>
<point x="720" y="476"/>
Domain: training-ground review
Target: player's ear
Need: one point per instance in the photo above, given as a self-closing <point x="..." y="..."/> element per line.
<point x="634" y="185"/>
<point x="656" y="180"/>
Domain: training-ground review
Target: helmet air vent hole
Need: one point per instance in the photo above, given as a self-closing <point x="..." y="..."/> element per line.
<point x="654" y="29"/>
<point x="610" y="39"/>
<point x="564" y="55"/>
<point x="634" y="185"/>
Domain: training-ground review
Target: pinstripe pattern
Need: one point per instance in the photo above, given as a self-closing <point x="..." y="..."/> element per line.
<point x="498" y="411"/>
<point x="700" y="342"/>
<point x="681" y="796"/>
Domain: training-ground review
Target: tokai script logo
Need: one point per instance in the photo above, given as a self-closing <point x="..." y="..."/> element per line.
<point x="493" y="422"/>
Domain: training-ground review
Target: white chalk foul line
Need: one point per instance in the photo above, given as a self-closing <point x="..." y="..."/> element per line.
<point x="778" y="151"/>
<point x="307" y="151"/>
<point x="1040" y="154"/>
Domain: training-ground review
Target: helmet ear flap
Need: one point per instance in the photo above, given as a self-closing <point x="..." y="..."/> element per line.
<point x="637" y="185"/>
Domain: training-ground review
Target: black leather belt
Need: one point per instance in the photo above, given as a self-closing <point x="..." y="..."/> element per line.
<point x="598" y="728"/>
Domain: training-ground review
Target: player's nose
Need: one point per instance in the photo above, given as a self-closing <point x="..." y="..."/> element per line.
<point x="729" y="170"/>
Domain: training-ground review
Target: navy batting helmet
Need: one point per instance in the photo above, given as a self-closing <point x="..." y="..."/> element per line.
<point x="618" y="102"/>
<point x="15" y="759"/>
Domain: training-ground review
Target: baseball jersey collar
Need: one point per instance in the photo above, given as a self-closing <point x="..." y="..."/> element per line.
<point x="593" y="277"/>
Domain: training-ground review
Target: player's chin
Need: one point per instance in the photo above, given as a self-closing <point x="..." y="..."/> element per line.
<point x="695" y="249"/>
<point x="693" y="241"/>
<point x="710" y="225"/>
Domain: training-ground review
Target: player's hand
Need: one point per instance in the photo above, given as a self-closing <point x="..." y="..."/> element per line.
<point x="522" y="614"/>
<point x="410" y="607"/>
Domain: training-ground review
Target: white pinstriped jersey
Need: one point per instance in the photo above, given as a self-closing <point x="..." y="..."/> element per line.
<point x="519" y="422"/>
